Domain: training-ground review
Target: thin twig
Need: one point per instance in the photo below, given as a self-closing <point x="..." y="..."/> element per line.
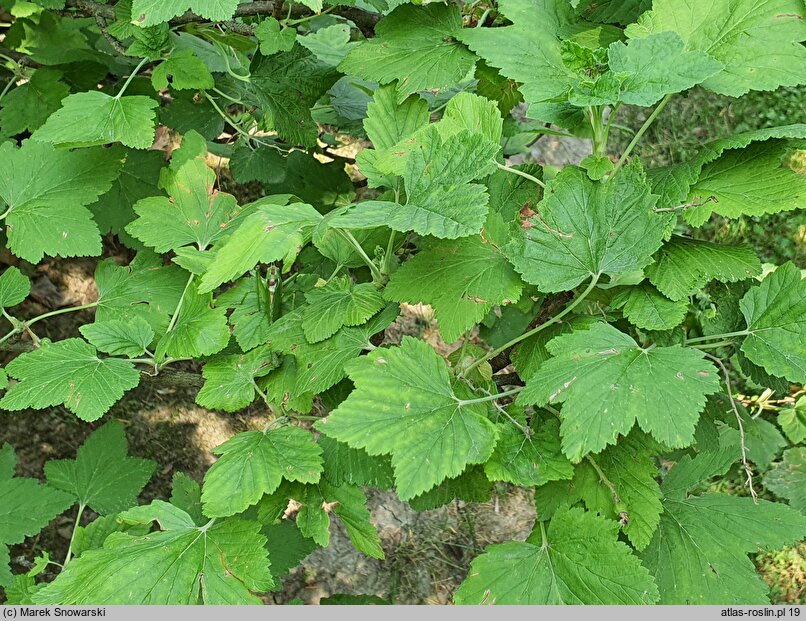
<point x="748" y="470"/>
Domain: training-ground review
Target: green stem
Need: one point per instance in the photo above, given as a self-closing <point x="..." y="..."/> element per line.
<point x="302" y="20"/>
<point x="7" y="87"/>
<point x="175" y="315"/>
<point x="500" y="395"/>
<point x="576" y="301"/>
<point x="715" y="337"/>
<point x="130" y="78"/>
<point x="712" y="345"/>
<point x="227" y="117"/>
<point x="610" y="118"/>
<point x="260" y="392"/>
<point x="225" y="96"/>
<point x="336" y="271"/>
<point x="483" y="17"/>
<point x="61" y="311"/>
<point x="640" y="133"/>
<point x="597" y="127"/>
<point x="73" y="536"/>
<point x="240" y="130"/>
<point x="520" y="173"/>
<point x="149" y="361"/>
<point x="603" y="478"/>
<point x="9" y="335"/>
<point x="543" y="535"/>
<point x="387" y="259"/>
<point x="376" y="273"/>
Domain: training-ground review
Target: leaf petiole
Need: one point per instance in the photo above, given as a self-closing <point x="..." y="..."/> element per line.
<point x="520" y="173"/>
<point x="574" y="303"/>
<point x="376" y="273"/>
<point x="717" y="337"/>
<point x="175" y="315"/>
<point x="651" y="119"/>
<point x="73" y="536"/>
<point x="130" y="78"/>
<point x="500" y="395"/>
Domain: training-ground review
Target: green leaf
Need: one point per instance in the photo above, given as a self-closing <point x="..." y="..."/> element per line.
<point x="190" y="113"/>
<point x="658" y="65"/>
<point x="254" y="463"/>
<point x="145" y="288"/>
<point x="14" y="287"/>
<point x="583" y="229"/>
<point x="287" y="547"/>
<point x="698" y="555"/>
<point x="347" y="502"/>
<point x="330" y="44"/>
<point x="229" y="380"/>
<point x="138" y="179"/>
<point x="344" y="464"/>
<point x="26" y="508"/>
<point x="759" y="179"/>
<point x="322" y="365"/>
<point x="68" y="372"/>
<point x="775" y="312"/>
<point x="201" y="329"/>
<point x="182" y="70"/>
<point x="220" y="563"/>
<point x="102" y="476"/>
<point x="635" y="500"/>
<point x="758" y="41"/>
<point x="763" y="441"/>
<point x="528" y="460"/>
<point x="611" y="11"/>
<point x="196" y="212"/>
<point x="150" y="42"/>
<point x="325" y="186"/>
<point x="46" y="191"/>
<point x="186" y="495"/>
<point x="683" y="266"/>
<point x="607" y="382"/>
<point x="287" y="85"/>
<point x="470" y="486"/>
<point x="673" y="183"/>
<point x="461" y="279"/>
<point x="93" y="535"/>
<point x="120" y="338"/>
<point x="336" y="304"/>
<point x="648" y="309"/>
<point x="272" y="233"/>
<point x="528" y="51"/>
<point x="793" y="421"/>
<point x="151" y="12"/>
<point x="387" y="124"/>
<point x="28" y="106"/>
<point x="95" y="118"/>
<point x="442" y="200"/>
<point x="257" y="163"/>
<point x="404" y="405"/>
<point x="580" y="561"/>
<point x="273" y="39"/>
<point x="787" y="479"/>
<point x="415" y="45"/>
